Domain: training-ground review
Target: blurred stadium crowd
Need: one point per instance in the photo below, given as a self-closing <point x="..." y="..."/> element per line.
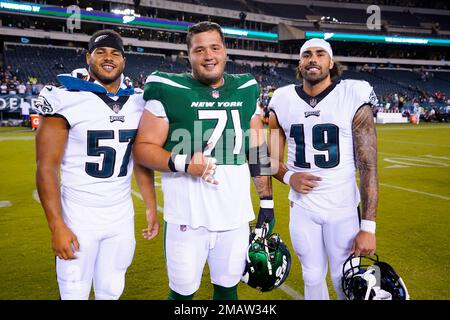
<point x="26" y="66"/>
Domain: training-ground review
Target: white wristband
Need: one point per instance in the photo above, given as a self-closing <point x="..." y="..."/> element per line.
<point x="180" y="162"/>
<point x="368" y="226"/>
<point x="266" y="204"/>
<point x="287" y="176"/>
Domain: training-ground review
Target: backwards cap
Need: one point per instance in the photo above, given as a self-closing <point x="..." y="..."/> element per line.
<point x="315" y="42"/>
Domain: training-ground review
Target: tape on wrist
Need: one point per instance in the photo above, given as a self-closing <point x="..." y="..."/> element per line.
<point x="266" y="203"/>
<point x="368" y="226"/>
<point x="287" y="176"/>
<point x="178" y="163"/>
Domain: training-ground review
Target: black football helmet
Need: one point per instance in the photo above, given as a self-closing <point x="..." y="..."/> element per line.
<point x="368" y="278"/>
<point x="268" y="261"/>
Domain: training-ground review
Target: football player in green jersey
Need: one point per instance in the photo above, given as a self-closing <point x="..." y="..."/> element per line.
<point x="203" y="131"/>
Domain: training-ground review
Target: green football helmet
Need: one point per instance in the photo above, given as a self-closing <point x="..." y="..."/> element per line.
<point x="268" y="261"/>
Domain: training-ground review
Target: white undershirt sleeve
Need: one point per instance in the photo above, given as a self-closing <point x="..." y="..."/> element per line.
<point x="157" y="108"/>
<point x="257" y="110"/>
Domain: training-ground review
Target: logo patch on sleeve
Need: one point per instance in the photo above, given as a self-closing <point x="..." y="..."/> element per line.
<point x="43" y="105"/>
<point x="373" y="98"/>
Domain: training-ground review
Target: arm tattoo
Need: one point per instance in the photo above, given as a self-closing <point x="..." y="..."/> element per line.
<point x="282" y="169"/>
<point x="365" y="147"/>
<point x="277" y="142"/>
<point x="263" y="185"/>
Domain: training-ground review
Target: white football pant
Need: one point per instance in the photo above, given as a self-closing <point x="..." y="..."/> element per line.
<point x="105" y="254"/>
<point x="187" y="251"/>
<point x="317" y="237"/>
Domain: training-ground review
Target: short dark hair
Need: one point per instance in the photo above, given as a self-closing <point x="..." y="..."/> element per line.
<point x="203" y="26"/>
<point x="335" y="72"/>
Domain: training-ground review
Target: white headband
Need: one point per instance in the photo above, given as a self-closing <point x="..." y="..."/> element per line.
<point x="317" y="43"/>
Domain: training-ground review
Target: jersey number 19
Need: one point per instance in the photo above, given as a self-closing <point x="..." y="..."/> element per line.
<point x="325" y="137"/>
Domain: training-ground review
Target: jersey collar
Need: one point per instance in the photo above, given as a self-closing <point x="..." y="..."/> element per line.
<point x="314" y="100"/>
<point x="80" y="80"/>
<point x="200" y="84"/>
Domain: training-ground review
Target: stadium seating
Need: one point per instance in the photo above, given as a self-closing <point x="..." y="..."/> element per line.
<point x="301" y="11"/>
<point x="42" y="62"/>
<point x="229" y="4"/>
<point x="285" y="10"/>
<point x="444" y="21"/>
<point x="46" y="62"/>
<point x="414" y="81"/>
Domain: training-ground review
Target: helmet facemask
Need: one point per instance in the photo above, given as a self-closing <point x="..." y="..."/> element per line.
<point x="268" y="261"/>
<point x="367" y="278"/>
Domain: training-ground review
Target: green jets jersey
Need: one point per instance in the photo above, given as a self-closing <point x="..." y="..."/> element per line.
<point x="203" y="118"/>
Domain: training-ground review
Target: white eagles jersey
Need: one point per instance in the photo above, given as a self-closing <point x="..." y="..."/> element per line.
<point x="97" y="166"/>
<point x="318" y="132"/>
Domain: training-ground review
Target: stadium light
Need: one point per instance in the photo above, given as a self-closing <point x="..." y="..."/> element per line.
<point x="353" y="37"/>
<point x="123" y="18"/>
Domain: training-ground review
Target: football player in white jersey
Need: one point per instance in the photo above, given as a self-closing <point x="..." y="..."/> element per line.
<point x="207" y="203"/>
<point x="86" y="132"/>
<point x="417" y="114"/>
<point x="329" y="129"/>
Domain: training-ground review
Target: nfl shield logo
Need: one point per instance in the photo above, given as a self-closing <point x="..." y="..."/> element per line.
<point x="313" y="102"/>
<point x="116" y="108"/>
<point x="215" y="94"/>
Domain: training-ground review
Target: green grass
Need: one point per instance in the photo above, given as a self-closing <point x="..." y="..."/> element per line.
<point x="412" y="229"/>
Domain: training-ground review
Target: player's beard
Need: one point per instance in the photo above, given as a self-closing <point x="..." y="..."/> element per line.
<point x="315" y="79"/>
<point x="102" y="78"/>
<point x="209" y="79"/>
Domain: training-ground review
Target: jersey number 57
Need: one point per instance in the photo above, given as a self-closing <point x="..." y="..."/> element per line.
<point x="109" y="153"/>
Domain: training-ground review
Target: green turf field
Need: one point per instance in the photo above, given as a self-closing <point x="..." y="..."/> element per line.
<point x="412" y="230"/>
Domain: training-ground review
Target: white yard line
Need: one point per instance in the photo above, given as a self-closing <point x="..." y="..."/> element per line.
<point x="291" y="292"/>
<point x="436" y="157"/>
<point x="417" y="156"/>
<point x="418" y="143"/>
<point x="426" y="162"/>
<point x="413" y="128"/>
<point x="415" y="191"/>
<point x="5" y="203"/>
<point x="9" y="138"/>
<point x="406" y="161"/>
<point x="15" y="131"/>
<point x="36" y="196"/>
<point x="139" y="196"/>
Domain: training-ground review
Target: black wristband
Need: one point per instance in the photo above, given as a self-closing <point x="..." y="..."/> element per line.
<point x="259" y="161"/>
<point x="171" y="164"/>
